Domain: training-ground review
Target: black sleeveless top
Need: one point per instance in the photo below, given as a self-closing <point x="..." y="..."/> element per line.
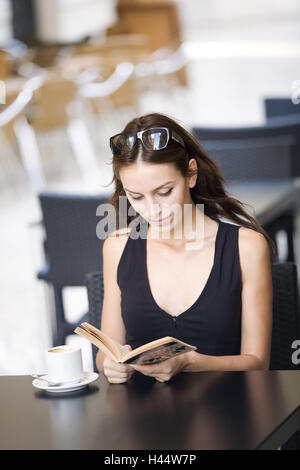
<point x="212" y="323"/>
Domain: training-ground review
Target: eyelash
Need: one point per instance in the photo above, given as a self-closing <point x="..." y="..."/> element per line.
<point x="163" y="195"/>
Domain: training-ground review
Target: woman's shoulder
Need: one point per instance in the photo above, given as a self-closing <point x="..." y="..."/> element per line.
<point x="115" y="242"/>
<point x="251" y="241"/>
<point x="254" y="251"/>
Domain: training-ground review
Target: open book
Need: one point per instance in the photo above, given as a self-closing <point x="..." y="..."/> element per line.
<point x="150" y="353"/>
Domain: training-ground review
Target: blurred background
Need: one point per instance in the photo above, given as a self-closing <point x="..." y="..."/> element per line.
<point x="73" y="73"/>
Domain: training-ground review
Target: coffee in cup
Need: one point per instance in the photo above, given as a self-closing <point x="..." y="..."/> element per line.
<point x="64" y="364"/>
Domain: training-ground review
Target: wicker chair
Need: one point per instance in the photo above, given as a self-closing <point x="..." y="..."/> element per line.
<point x="286" y="321"/>
<point x="95" y="290"/>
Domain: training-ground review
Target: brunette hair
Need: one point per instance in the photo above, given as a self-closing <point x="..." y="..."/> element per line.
<point x="209" y="188"/>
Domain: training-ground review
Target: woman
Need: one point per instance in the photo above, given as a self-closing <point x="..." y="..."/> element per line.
<point x="215" y="293"/>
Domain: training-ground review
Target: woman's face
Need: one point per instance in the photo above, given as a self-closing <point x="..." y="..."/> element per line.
<point x="158" y="191"/>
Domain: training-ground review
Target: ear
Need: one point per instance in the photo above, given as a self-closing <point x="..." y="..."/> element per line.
<point x="193" y="167"/>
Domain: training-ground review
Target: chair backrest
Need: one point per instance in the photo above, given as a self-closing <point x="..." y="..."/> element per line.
<point x="6" y="64"/>
<point x="275" y="107"/>
<point x="286" y="319"/>
<point x="50" y="103"/>
<point x="95" y="290"/>
<point x="263" y="152"/>
<point x="72" y="246"/>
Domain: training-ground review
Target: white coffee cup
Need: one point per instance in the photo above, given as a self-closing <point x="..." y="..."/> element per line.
<point x="64" y="364"/>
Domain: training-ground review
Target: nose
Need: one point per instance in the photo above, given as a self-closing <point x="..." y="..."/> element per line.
<point x="153" y="210"/>
<point x="148" y="208"/>
<point x="157" y="211"/>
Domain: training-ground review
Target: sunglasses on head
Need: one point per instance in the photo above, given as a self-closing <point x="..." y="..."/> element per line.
<point x="155" y="138"/>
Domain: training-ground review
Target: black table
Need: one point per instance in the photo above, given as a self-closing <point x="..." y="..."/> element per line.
<point x="275" y="203"/>
<point x="205" y="410"/>
<point x="268" y="199"/>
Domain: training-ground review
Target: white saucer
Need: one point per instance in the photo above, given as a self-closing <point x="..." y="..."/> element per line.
<point x="88" y="377"/>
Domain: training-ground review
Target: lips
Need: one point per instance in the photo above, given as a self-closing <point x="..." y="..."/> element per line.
<point x="160" y="220"/>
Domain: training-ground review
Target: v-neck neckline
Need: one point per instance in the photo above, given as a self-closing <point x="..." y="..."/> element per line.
<point x="208" y="281"/>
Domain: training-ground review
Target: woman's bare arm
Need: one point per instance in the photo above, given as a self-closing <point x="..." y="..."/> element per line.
<point x="257" y="296"/>
<point x="111" y="323"/>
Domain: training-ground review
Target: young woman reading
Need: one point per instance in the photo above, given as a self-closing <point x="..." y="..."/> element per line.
<point x="215" y="294"/>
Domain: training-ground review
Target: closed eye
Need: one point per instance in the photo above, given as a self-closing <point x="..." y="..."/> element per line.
<point x="160" y="194"/>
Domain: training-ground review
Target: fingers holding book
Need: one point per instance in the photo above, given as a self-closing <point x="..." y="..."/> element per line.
<point x="164" y="370"/>
<point x="116" y="372"/>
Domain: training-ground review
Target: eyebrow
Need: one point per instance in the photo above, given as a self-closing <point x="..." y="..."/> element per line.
<point x="153" y="189"/>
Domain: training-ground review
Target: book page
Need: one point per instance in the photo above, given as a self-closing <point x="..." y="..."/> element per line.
<point x="96" y="341"/>
<point x="111" y="344"/>
<point x="159" y="353"/>
<point x="116" y="348"/>
<point x="121" y="349"/>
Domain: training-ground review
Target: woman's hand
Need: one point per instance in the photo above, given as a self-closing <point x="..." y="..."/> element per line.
<point x="115" y="372"/>
<point x="163" y="371"/>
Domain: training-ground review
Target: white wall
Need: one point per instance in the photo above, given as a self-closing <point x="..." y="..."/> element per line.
<point x="198" y="17"/>
<point x="5" y="18"/>
<point x="223" y="10"/>
<point x="72" y="20"/>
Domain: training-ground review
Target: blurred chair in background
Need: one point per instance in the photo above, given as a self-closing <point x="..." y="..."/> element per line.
<point x="270" y="152"/>
<point x="280" y="107"/>
<point x="17" y="132"/>
<point x="5" y="64"/>
<point x="158" y="20"/>
<point x="105" y="66"/>
<point x="69" y="107"/>
<point x="37" y="119"/>
<point x="286" y="326"/>
<point x="114" y="50"/>
<point x="95" y="291"/>
<point x="51" y="133"/>
<point x="100" y="93"/>
<point x="158" y="81"/>
<point x="72" y="248"/>
<point x="88" y="91"/>
<point x="47" y="56"/>
<point x="286" y="316"/>
<point x="48" y="117"/>
<point x="264" y="152"/>
<point x="283" y="112"/>
<point x="161" y="77"/>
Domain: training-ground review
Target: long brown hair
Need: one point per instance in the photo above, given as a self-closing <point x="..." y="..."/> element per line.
<point x="209" y="188"/>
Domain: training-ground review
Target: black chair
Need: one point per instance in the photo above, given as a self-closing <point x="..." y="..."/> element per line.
<point x="270" y="152"/>
<point x="263" y="152"/>
<point x="280" y="107"/>
<point x="286" y="326"/>
<point x="286" y="319"/>
<point x="95" y="291"/>
<point x="72" y="248"/>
